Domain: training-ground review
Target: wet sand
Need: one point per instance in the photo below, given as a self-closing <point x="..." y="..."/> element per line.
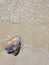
<point x="30" y="20"/>
<point x="37" y="34"/>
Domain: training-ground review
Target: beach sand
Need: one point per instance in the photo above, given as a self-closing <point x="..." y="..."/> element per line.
<point x="30" y="20"/>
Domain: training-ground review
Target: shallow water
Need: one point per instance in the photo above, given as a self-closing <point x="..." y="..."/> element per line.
<point x="33" y="34"/>
<point x="28" y="19"/>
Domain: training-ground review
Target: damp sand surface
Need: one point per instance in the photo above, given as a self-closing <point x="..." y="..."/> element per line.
<point x="33" y="37"/>
<point x="30" y="20"/>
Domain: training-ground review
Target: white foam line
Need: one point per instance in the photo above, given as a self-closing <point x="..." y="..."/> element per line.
<point x="45" y="52"/>
<point x="30" y="47"/>
<point x="27" y="46"/>
<point x="39" y="50"/>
